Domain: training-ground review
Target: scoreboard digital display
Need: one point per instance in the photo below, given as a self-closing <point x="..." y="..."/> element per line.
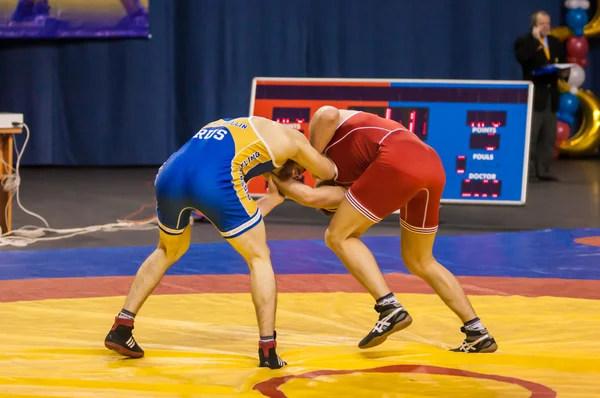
<point x="480" y="129"/>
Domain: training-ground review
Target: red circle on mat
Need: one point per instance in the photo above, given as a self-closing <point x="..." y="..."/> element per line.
<point x="270" y="388"/>
<point x="589" y="240"/>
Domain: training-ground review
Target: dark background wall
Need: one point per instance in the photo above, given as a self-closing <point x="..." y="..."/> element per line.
<point x="133" y="102"/>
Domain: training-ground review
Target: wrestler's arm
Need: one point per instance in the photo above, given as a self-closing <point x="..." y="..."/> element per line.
<point x="272" y="199"/>
<point x="317" y="164"/>
<point x="322" y="197"/>
<point x="322" y="127"/>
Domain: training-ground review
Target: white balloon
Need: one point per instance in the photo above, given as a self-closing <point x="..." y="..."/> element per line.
<point x="571" y="4"/>
<point x="585" y="4"/>
<point x="574" y="90"/>
<point x="576" y="76"/>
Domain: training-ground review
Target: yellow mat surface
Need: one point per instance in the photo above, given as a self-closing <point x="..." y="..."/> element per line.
<point x="206" y="346"/>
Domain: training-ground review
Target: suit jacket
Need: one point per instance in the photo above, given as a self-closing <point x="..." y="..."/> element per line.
<point x="531" y="56"/>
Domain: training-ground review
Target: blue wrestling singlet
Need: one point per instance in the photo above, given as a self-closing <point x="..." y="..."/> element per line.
<point x="210" y="174"/>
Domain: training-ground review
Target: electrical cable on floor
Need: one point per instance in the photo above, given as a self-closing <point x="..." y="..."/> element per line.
<point x="30" y="234"/>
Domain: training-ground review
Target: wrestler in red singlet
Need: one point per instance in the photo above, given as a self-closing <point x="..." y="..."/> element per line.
<point x="388" y="168"/>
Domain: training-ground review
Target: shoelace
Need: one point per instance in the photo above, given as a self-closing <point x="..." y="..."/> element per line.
<point x="467" y="346"/>
<point x="383" y="324"/>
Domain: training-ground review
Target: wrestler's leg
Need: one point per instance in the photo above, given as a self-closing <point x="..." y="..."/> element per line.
<point x="417" y="256"/>
<point x="170" y="249"/>
<point x="419" y="219"/>
<point x="342" y="237"/>
<point x="351" y="220"/>
<point x="173" y="211"/>
<point x="252" y="246"/>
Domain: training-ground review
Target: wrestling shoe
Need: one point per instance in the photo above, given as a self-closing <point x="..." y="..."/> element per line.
<point x="267" y="355"/>
<point x="392" y="318"/>
<point x="120" y="339"/>
<point x="477" y="341"/>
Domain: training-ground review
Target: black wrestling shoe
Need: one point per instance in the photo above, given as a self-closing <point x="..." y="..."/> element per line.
<point x="392" y="318"/>
<point x="477" y="341"/>
<point x="267" y="354"/>
<point x="120" y="339"/>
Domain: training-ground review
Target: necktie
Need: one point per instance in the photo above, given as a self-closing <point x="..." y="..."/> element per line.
<point x="546" y="51"/>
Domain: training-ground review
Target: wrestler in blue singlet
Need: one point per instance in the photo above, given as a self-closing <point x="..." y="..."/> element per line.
<point x="210" y="174"/>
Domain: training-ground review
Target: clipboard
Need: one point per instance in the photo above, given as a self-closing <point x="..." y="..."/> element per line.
<point x="547" y="69"/>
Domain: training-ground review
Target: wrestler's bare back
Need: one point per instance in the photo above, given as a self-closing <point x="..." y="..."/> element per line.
<point x="277" y="137"/>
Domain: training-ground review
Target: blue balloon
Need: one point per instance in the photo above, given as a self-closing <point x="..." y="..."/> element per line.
<point x="569" y="119"/>
<point x="576" y="19"/>
<point x="569" y="103"/>
<point x="578" y="32"/>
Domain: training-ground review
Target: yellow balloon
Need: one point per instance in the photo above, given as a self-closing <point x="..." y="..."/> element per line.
<point x="587" y="138"/>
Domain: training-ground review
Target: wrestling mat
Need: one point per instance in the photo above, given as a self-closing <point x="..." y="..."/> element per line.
<point x="537" y="292"/>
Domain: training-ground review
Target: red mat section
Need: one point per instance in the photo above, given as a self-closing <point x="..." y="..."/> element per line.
<point x="59" y="288"/>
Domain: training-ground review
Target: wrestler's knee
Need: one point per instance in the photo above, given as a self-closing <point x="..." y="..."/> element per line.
<point x="259" y="257"/>
<point x="333" y="238"/>
<point x="253" y="247"/>
<point x="175" y="246"/>
<point x="418" y="262"/>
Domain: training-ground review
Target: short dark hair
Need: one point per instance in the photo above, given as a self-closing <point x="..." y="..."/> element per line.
<point x="287" y="170"/>
<point x="534" y="16"/>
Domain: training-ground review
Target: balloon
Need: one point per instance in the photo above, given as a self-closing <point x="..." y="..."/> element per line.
<point x="583" y="62"/>
<point x="586" y="139"/>
<point x="563" y="117"/>
<point x="576" y="19"/>
<point x="576" y="76"/>
<point x="577" y="4"/>
<point x="569" y="103"/>
<point x="577" y="47"/>
<point x="585" y="4"/>
<point x="563" y="132"/>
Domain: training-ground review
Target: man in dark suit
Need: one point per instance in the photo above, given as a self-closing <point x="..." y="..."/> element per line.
<point x="534" y="50"/>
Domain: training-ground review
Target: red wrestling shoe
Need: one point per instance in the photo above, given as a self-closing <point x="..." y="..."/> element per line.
<point x="267" y="354"/>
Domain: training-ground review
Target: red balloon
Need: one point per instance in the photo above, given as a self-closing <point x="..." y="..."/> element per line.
<point x="563" y="132"/>
<point x="583" y="62"/>
<point x="577" y="47"/>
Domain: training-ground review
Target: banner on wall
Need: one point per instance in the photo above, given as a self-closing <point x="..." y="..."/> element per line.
<point x="73" y="18"/>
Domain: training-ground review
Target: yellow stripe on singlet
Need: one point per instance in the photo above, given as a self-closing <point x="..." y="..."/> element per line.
<point x="250" y="152"/>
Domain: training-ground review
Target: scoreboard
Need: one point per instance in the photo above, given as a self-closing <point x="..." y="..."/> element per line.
<point x="480" y="129"/>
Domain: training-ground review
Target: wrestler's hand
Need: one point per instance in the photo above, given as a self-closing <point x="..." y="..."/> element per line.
<point x="272" y="189"/>
<point x="286" y="187"/>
